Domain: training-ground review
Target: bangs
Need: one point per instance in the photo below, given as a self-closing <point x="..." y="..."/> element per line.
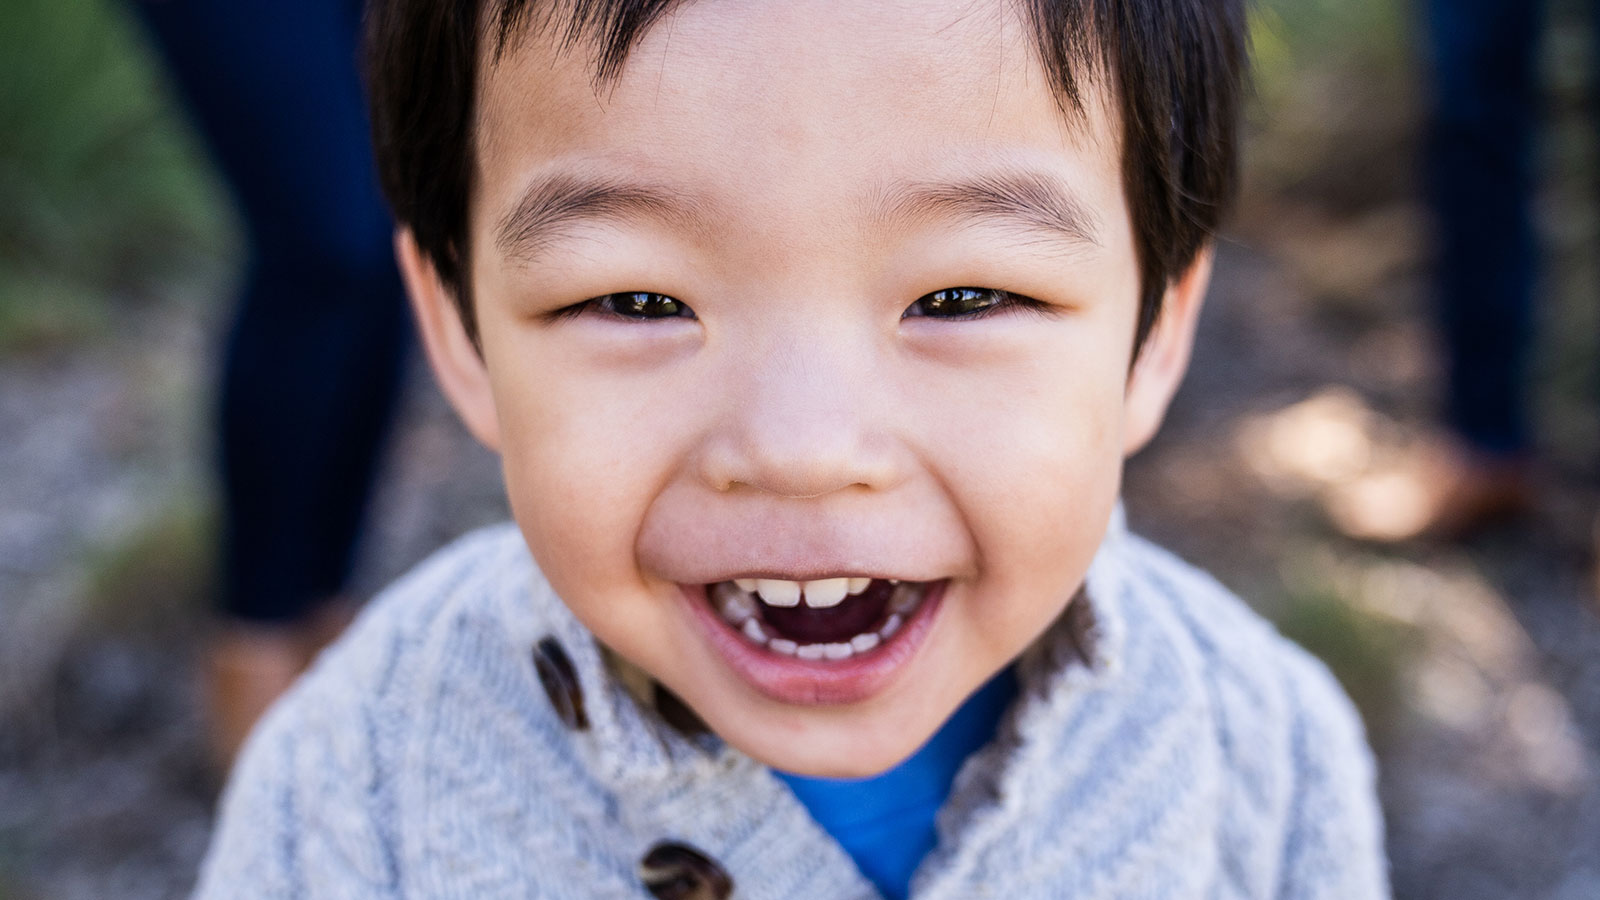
<point x="609" y="28"/>
<point x="1064" y="40"/>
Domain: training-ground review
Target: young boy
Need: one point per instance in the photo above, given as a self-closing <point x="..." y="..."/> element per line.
<point x="813" y="336"/>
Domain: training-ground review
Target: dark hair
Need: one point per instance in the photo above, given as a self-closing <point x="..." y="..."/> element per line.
<point x="1176" y="69"/>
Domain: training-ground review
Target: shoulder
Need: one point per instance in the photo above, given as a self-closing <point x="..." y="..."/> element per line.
<point x="1304" y="797"/>
<point x="1259" y="675"/>
<point x="311" y="798"/>
<point x="395" y="647"/>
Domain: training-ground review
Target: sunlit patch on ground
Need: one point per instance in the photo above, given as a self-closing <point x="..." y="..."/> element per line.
<point x="1370" y="476"/>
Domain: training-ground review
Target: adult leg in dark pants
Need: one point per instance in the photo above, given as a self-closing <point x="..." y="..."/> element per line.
<point x="1483" y="117"/>
<point x="313" y="359"/>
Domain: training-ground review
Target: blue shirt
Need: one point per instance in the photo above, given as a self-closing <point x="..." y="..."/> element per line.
<point x="886" y="822"/>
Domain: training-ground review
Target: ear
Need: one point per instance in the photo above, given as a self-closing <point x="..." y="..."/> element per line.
<point x="456" y="363"/>
<point x="1164" y="358"/>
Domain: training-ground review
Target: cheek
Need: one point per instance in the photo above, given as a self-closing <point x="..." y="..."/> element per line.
<point x="1035" y="466"/>
<point x="583" y="457"/>
<point x="1041" y="479"/>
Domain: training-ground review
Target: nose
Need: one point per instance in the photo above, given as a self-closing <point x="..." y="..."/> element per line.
<point x="804" y="421"/>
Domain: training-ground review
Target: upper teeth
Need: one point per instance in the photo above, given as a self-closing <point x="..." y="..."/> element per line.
<point x="740" y="609"/>
<point x="827" y="592"/>
<point x="779" y="593"/>
<point x="819" y="594"/>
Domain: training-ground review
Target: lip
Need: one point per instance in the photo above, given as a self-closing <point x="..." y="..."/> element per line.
<point x="789" y="679"/>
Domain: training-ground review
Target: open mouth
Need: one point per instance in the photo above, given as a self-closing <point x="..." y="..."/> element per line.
<point x="828" y="619"/>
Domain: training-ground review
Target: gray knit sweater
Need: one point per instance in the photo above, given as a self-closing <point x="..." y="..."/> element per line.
<point x="1166" y="744"/>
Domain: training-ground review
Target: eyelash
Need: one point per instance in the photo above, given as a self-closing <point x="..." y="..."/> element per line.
<point x="607" y="305"/>
<point x="1004" y="300"/>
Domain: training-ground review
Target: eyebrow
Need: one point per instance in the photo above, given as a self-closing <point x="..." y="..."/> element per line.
<point x="1027" y="201"/>
<point x="549" y="208"/>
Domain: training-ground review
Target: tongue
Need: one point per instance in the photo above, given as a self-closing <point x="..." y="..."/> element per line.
<point x="834" y="625"/>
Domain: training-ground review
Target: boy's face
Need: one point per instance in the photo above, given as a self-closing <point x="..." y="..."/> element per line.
<point x="878" y="303"/>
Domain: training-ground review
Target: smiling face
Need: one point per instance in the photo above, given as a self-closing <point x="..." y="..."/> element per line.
<point x="818" y="297"/>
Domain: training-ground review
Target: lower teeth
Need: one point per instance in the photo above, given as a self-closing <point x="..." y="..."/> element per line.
<point x="740" y="610"/>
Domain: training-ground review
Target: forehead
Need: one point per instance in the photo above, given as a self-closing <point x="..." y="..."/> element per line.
<point x="770" y="107"/>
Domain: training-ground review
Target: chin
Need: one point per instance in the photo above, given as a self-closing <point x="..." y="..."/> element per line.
<point x="829" y="756"/>
<point x="859" y="742"/>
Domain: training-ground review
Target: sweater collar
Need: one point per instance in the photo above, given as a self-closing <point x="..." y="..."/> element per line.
<point x="1077" y="658"/>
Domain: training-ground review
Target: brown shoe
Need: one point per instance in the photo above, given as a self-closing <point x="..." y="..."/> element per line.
<point x="323" y="626"/>
<point x="1439" y="493"/>
<point x="248" y="667"/>
<point x="251" y="664"/>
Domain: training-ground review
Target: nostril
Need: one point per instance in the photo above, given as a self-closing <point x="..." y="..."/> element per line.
<point x="796" y="469"/>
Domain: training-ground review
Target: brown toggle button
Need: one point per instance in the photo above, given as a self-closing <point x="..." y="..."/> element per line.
<point x="560" y="682"/>
<point x="677" y="713"/>
<point x="673" y="871"/>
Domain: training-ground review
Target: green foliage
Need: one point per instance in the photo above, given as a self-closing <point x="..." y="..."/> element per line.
<point x="1356" y="36"/>
<point x="156" y="575"/>
<point x="1367" y="654"/>
<point x="38" y="307"/>
<point x="1335" y="107"/>
<point x="10" y="863"/>
<point x="102" y="192"/>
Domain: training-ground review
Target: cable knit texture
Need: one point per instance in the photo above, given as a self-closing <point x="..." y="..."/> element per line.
<point x="1166" y="743"/>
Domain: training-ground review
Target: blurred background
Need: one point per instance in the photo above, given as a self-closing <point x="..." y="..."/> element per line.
<point x="1315" y="392"/>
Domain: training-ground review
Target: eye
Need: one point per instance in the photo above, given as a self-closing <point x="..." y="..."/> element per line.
<point x="964" y="303"/>
<point x="638" y="305"/>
